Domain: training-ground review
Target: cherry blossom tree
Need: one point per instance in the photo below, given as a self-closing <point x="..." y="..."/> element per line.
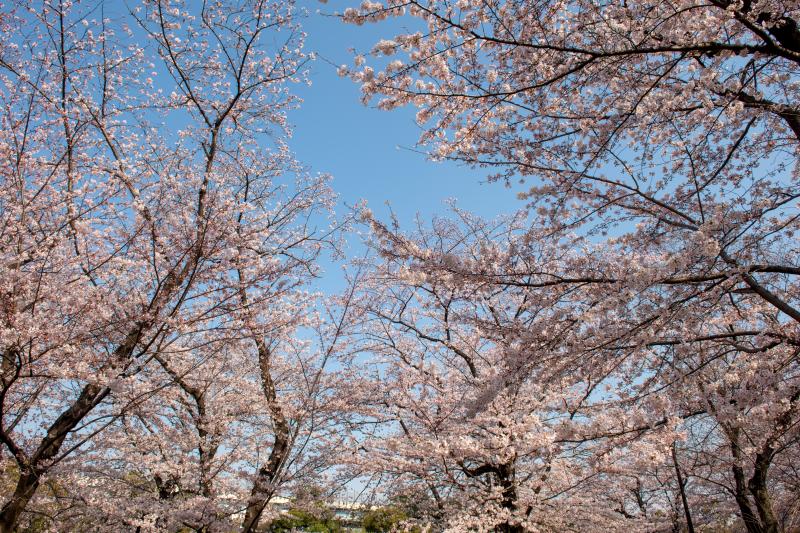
<point x="676" y="117"/>
<point x="660" y="140"/>
<point x="640" y="412"/>
<point x="149" y="245"/>
<point x="748" y="430"/>
<point x="622" y="354"/>
<point x="191" y="455"/>
<point x="495" y="448"/>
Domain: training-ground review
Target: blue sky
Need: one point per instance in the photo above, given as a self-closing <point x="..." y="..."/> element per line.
<point x="369" y="152"/>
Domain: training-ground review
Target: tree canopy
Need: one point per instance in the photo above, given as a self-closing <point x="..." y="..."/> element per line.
<point x="619" y="351"/>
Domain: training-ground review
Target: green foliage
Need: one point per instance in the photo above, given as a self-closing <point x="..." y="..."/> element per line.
<point x="299" y="519"/>
<point x="383" y="519"/>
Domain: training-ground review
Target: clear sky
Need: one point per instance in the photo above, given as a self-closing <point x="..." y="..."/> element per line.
<point x="369" y="152"/>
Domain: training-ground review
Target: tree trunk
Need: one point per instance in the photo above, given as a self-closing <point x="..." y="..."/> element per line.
<point x="682" y="489"/>
<point x="758" y="488"/>
<point x="506" y="475"/>
<point x="12" y="510"/>
<point x="263" y="486"/>
<point x="37" y="466"/>
<point x="39" y="462"/>
<point x="751" y="521"/>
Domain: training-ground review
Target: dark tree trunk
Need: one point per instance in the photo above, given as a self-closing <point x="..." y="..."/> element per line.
<point x="682" y="489"/>
<point x="38" y="464"/>
<point x="751" y="521"/>
<point x="12" y="510"/>
<point x="506" y="477"/>
<point x="758" y="488"/>
<point x="264" y="485"/>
